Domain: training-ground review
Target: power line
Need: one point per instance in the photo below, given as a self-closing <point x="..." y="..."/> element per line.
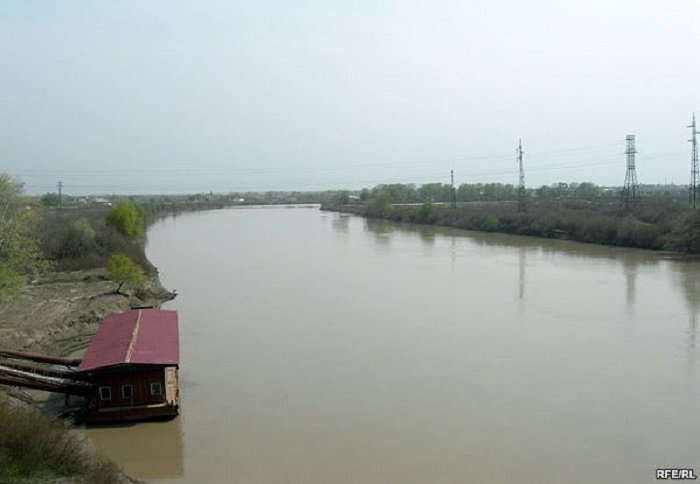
<point x="487" y="159"/>
<point x="187" y="185"/>
<point x="192" y="177"/>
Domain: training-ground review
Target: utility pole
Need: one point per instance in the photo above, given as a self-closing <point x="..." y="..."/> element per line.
<point x="60" y="196"/>
<point x="521" y="185"/>
<point x="453" y="192"/>
<point x="693" y="186"/>
<point x="631" y="196"/>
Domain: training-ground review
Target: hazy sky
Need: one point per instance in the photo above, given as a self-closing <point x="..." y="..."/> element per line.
<point x="188" y="96"/>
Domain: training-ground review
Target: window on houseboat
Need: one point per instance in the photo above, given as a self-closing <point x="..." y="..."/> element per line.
<point x="127" y="391"/>
<point x="156" y="389"/>
<point x="105" y="393"/>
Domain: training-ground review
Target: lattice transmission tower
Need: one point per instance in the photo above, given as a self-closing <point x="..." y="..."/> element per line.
<point x="631" y="194"/>
<point x="453" y="191"/>
<point x="521" y="183"/>
<point x="693" y="196"/>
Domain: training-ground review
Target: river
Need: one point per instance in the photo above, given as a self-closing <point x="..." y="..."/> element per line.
<point x="325" y="348"/>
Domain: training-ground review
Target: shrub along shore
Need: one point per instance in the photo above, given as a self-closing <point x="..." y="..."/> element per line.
<point x="657" y="224"/>
<point x="34" y="448"/>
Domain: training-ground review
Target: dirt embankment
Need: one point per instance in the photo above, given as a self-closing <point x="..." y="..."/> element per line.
<point x="57" y="313"/>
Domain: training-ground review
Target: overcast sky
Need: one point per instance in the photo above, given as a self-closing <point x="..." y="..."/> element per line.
<point x="198" y="95"/>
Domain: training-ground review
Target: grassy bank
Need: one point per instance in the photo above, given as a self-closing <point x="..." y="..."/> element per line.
<point x="34" y="449"/>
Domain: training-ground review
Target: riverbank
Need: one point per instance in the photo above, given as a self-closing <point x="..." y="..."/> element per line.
<point x="56" y="314"/>
<point x="37" y="449"/>
<point x="659" y="225"/>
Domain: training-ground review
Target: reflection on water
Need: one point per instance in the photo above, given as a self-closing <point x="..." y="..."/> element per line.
<point x="522" y="263"/>
<point x="382" y="230"/>
<point x="631" y="278"/>
<point x="150" y="450"/>
<point x="327" y="348"/>
<point x="630" y="260"/>
<point x="428" y="238"/>
<point x="688" y="276"/>
<point x="341" y="222"/>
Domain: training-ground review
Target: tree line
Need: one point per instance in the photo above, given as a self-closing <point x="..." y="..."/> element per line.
<point x="492" y="192"/>
<point x="574" y="211"/>
<point x="33" y="240"/>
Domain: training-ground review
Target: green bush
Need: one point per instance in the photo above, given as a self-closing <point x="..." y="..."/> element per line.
<point x="20" y="252"/>
<point x="490" y="223"/>
<point x="379" y="206"/>
<point x="342" y="198"/>
<point x="34" y="448"/>
<point x="127" y="219"/>
<point x="83" y="229"/>
<point x="685" y="234"/>
<point x="10" y="282"/>
<point x="427" y="213"/>
<point x="121" y="268"/>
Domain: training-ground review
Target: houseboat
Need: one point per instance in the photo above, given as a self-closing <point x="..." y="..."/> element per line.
<point x="132" y="364"/>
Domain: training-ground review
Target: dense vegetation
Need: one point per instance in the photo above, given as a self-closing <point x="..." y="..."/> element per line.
<point x="19" y="245"/>
<point x="493" y="192"/>
<point x="33" y="448"/>
<point x="582" y="212"/>
<point x="34" y="238"/>
<point x="86" y="238"/>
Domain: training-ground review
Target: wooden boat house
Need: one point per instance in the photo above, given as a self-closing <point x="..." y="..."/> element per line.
<point x="132" y="364"/>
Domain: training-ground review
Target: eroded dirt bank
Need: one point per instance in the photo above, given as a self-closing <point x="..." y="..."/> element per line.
<point x="57" y="313"/>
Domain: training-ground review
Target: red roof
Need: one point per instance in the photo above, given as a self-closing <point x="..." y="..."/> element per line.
<point x="142" y="336"/>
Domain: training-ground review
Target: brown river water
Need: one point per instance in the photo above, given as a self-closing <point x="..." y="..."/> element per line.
<point x="323" y="348"/>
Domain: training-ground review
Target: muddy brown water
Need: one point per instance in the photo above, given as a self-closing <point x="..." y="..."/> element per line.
<point x="323" y="348"/>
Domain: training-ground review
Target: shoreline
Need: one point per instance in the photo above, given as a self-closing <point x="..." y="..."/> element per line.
<point x="558" y="222"/>
<point x="57" y="314"/>
<point x="59" y="311"/>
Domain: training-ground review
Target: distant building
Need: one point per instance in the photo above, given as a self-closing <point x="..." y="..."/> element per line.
<point x="102" y="202"/>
